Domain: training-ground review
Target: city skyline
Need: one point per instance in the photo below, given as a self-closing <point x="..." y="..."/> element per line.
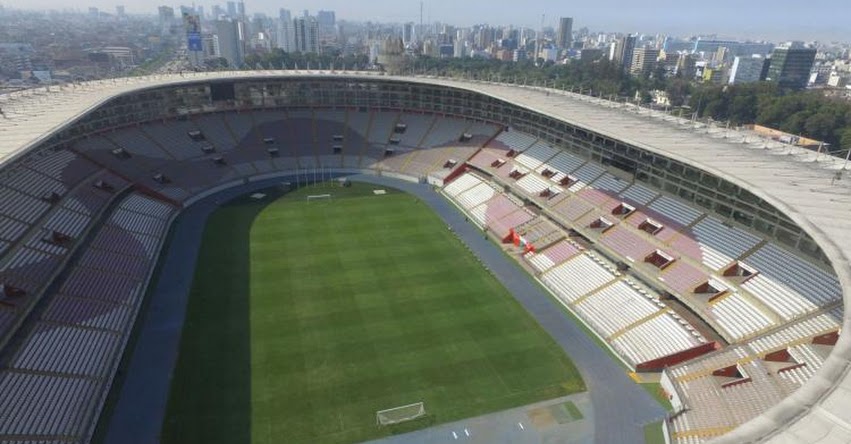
<point x="816" y="20"/>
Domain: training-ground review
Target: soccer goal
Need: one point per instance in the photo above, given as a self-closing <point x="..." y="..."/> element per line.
<point x="400" y="414"/>
<point x="319" y="197"/>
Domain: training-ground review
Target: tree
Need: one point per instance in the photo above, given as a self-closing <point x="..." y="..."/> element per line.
<point x="845" y="138"/>
<point x="678" y="90"/>
<point x="216" y="63"/>
<point x="743" y="109"/>
<point x="820" y="125"/>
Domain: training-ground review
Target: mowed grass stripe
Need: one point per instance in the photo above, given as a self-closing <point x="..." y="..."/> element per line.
<point x="353" y="305"/>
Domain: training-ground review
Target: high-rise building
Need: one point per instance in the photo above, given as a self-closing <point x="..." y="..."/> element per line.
<point x="790" y="65"/>
<point x="327" y="20"/>
<point x="306" y="34"/>
<point x="408" y="33"/>
<point x="459" y="49"/>
<point x="119" y="11"/>
<point x="722" y="55"/>
<point x="211" y="46"/>
<point x="590" y="54"/>
<point x="166" y="16"/>
<point x="286" y="34"/>
<point x="564" y="38"/>
<point x="643" y="60"/>
<point x="485" y="37"/>
<point x="746" y="69"/>
<point x="685" y="66"/>
<point x="231" y="41"/>
<point x="623" y="49"/>
<point x="240" y="10"/>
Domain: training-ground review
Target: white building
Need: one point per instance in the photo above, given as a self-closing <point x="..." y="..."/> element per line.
<point x="210" y="43"/>
<point x="549" y="54"/>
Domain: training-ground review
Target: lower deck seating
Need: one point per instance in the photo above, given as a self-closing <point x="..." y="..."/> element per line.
<point x="739" y="317"/>
<point x="615" y="307"/>
<point x="720" y="403"/>
<point x="461" y="184"/>
<point x="577" y="277"/>
<point x="493" y="210"/>
<point x="476" y="195"/>
<point x="58" y="373"/>
<point x="642" y="343"/>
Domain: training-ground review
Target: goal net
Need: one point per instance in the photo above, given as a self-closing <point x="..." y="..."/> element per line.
<point x="319" y="197"/>
<point x="400" y="414"/>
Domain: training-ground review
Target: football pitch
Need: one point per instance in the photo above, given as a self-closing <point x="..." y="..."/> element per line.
<point x="305" y="318"/>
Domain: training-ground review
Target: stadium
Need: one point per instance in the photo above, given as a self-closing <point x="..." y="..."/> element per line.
<point x="715" y="259"/>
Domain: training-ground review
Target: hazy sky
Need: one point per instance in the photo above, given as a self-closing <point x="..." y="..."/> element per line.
<point x="769" y="19"/>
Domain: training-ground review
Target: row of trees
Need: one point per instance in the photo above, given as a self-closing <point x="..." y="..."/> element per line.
<point x="601" y="77"/>
<point x="278" y="59"/>
<point x="806" y="113"/>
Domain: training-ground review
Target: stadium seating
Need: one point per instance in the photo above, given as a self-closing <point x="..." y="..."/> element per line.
<point x="674" y="210"/>
<point x="418" y="126"/>
<point x="615" y="307"/>
<point x="64" y="359"/>
<point x="585" y="175"/>
<point x="533" y="184"/>
<point x="563" y="163"/>
<point x="135" y="142"/>
<point x="573" y="208"/>
<point x="173" y="137"/>
<point x="609" y="184"/>
<point x="515" y="140"/>
<point x="380" y="125"/>
<point x="215" y="132"/>
<point x="642" y="343"/>
<point x="627" y="244"/>
<point x="719" y="403"/>
<point x="494" y="210"/>
<point x="239" y="124"/>
<point x="739" y="317"/>
<point x="60" y="370"/>
<point x="461" y="184"/>
<point x="536" y="155"/>
<point x="445" y="132"/>
<point x="577" y="277"/>
<point x="675" y="227"/>
<point x="797" y="275"/>
<point x="539" y="232"/>
<point x="476" y="195"/>
<point x="639" y="195"/>
<point x="562" y="251"/>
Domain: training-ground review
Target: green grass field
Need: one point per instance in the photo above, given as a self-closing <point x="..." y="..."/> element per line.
<point x="307" y="317"/>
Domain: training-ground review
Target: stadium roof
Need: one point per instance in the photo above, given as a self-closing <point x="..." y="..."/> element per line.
<point x="812" y="189"/>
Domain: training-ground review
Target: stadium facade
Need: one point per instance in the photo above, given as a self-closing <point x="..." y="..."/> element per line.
<point x="794" y="198"/>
